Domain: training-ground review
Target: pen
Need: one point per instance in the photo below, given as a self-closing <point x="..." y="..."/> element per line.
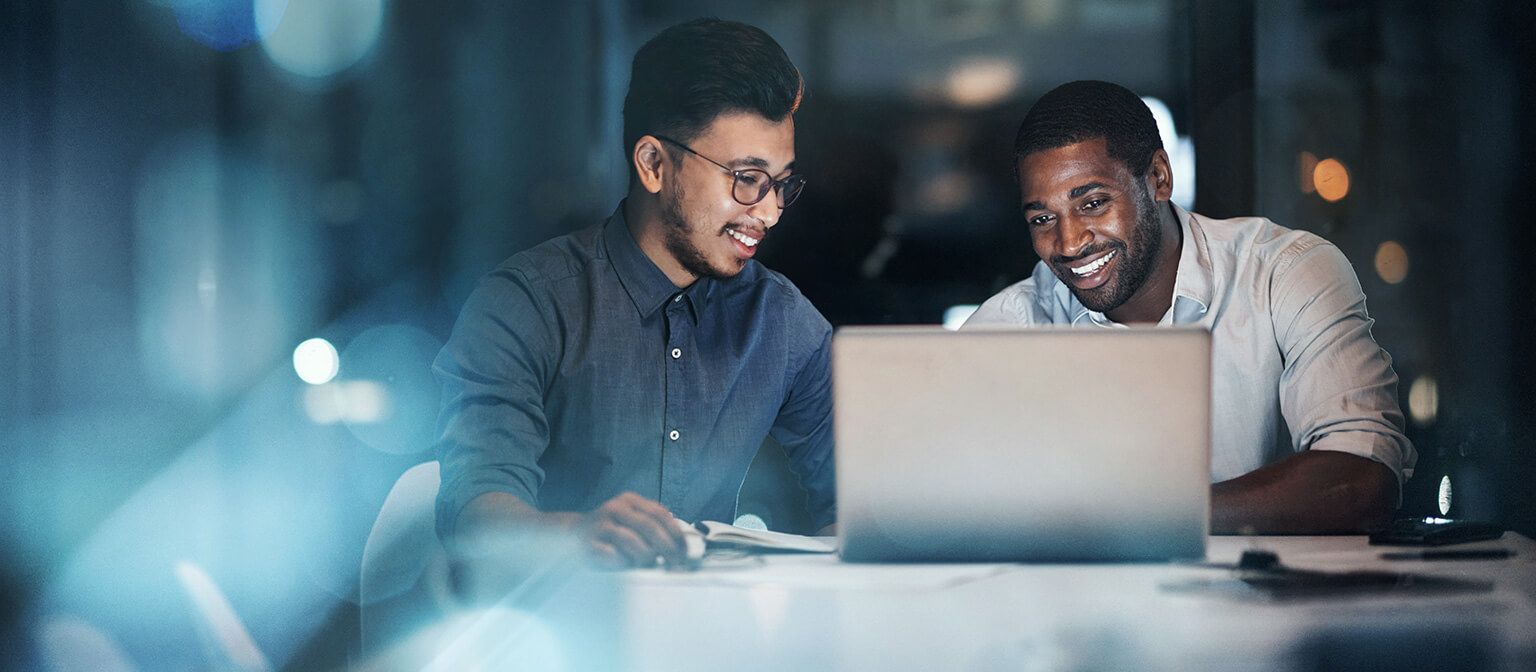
<point x="1451" y="554"/>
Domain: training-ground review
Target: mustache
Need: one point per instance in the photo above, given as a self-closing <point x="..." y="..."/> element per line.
<point x="757" y="232"/>
<point x="1087" y="252"/>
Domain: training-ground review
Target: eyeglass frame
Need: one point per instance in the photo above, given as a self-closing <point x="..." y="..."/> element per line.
<point x="771" y="184"/>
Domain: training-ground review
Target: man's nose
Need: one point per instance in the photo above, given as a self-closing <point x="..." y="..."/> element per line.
<point x="1072" y="237"/>
<point x="767" y="210"/>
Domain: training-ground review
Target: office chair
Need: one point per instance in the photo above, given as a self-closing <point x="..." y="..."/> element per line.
<point x="404" y="582"/>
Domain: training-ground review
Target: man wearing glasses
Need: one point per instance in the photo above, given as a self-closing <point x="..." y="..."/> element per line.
<point x="608" y="380"/>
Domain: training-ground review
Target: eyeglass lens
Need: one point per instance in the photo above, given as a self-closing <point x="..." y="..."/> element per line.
<point x="753" y="185"/>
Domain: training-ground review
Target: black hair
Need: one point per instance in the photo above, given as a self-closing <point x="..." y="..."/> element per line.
<point x="1085" y="110"/>
<point x="693" y="72"/>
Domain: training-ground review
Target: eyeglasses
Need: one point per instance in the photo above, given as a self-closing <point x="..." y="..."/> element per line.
<point x="751" y="185"/>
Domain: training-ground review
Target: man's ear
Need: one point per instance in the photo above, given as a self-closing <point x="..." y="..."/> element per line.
<point x="1160" y="176"/>
<point x="650" y="163"/>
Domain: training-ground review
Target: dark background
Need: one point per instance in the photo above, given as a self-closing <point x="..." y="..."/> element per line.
<point x="190" y="188"/>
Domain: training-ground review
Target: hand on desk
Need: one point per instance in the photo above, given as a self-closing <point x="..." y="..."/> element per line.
<point x="632" y="531"/>
<point x="626" y="531"/>
<point x="1312" y="492"/>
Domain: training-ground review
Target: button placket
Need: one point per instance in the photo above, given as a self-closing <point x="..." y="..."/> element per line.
<point x="673" y="452"/>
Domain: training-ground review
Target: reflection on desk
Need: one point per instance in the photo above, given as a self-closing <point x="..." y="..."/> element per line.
<point x="812" y="612"/>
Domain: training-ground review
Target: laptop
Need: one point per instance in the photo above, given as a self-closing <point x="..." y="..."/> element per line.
<point x="1036" y="445"/>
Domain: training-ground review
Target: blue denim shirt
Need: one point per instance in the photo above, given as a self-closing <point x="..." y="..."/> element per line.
<point x="578" y="371"/>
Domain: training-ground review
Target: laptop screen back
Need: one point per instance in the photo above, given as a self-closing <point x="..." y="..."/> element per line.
<point x="1031" y="445"/>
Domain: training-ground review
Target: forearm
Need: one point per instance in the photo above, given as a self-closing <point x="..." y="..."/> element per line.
<point x="501" y="544"/>
<point x="1338" y="391"/>
<point x="496" y="514"/>
<point x="627" y="530"/>
<point x="1314" y="492"/>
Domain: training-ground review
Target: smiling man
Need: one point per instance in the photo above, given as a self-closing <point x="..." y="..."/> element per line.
<point x="606" y="381"/>
<point x="1307" y="434"/>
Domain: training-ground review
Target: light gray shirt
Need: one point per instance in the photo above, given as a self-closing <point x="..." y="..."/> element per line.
<point x="1293" y="363"/>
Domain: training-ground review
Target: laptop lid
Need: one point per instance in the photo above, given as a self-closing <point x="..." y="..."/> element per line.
<point x="1022" y="444"/>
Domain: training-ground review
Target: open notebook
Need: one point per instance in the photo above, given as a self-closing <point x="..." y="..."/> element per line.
<point x="713" y="534"/>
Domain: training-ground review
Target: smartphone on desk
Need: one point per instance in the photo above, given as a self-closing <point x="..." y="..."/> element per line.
<point x="1433" y="531"/>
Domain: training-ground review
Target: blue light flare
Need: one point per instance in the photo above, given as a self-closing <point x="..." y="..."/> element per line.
<point x="221" y="25"/>
<point x="396" y="361"/>
<point x="318" y="39"/>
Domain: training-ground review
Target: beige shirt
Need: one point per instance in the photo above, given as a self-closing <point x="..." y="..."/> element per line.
<point x="1293" y="363"/>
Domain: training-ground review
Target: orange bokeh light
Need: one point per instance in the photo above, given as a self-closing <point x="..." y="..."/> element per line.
<point x="1331" y="179"/>
<point x="1392" y="262"/>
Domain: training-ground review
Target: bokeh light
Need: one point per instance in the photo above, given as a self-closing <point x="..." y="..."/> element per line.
<point x="221" y="25"/>
<point x="352" y="401"/>
<point x="316" y="361"/>
<point x="982" y="82"/>
<point x="398" y="359"/>
<point x="1331" y="180"/>
<point x="750" y="521"/>
<point x="1424" y="400"/>
<point x="1444" y="499"/>
<point x="1392" y="262"/>
<point x="318" y="39"/>
<point x="946" y="192"/>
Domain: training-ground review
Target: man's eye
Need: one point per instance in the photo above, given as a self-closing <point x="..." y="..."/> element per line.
<point x="1039" y="220"/>
<point x="1093" y="204"/>
<point x="748" y="179"/>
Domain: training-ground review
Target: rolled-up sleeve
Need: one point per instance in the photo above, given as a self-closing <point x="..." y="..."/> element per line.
<point x="804" y="424"/>
<point x="1338" y="390"/>
<point x="493" y="374"/>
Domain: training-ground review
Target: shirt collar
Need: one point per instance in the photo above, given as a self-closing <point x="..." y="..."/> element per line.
<point x="697" y="296"/>
<point x="648" y="287"/>
<point x="1191" y="282"/>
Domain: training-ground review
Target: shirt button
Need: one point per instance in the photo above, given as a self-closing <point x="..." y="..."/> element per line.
<point x="673" y="435"/>
<point x="676" y="353"/>
<point x="677" y="298"/>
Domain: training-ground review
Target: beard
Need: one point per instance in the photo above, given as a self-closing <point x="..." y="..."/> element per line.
<point x="675" y="235"/>
<point x="1136" y="259"/>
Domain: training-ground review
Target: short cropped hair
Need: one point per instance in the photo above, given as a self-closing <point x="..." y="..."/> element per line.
<point x="1084" y="110"/>
<point x="693" y="72"/>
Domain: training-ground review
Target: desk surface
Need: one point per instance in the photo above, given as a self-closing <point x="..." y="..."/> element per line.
<point x="793" y="612"/>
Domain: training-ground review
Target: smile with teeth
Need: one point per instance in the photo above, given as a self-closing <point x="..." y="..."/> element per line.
<point x="1091" y="268"/>
<point x="745" y="239"/>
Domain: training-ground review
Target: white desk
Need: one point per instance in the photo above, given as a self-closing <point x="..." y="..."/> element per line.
<point x="812" y="612"/>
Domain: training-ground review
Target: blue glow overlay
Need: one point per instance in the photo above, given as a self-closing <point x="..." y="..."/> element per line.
<point x="222" y="25"/>
<point x="234" y="235"/>
<point x="318" y="39"/>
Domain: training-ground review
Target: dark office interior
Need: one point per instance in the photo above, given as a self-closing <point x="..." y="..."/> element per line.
<point x="189" y="191"/>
